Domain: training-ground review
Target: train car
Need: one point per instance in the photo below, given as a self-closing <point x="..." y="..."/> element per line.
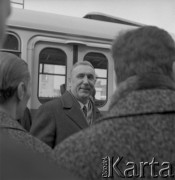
<point x="52" y="43"/>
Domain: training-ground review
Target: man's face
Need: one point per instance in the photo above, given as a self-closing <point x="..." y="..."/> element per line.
<point x="82" y="82"/>
<point x="5" y="10"/>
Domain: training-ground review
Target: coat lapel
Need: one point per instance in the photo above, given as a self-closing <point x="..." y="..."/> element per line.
<point x="96" y="112"/>
<point x="72" y="109"/>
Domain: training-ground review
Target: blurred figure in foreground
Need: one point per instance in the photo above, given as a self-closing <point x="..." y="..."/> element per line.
<point x="14" y="88"/>
<point x="14" y="95"/>
<point x="20" y="163"/>
<point x="5" y="11"/>
<point x="21" y="155"/>
<point x="138" y="132"/>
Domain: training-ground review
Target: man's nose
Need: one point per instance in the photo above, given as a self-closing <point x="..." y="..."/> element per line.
<point x="85" y="80"/>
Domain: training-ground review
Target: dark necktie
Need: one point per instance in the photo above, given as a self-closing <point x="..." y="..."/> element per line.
<point x="85" y="111"/>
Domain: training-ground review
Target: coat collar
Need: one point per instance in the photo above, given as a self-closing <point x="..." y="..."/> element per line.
<point x="7" y="123"/>
<point x="67" y="100"/>
<point x="142" y="102"/>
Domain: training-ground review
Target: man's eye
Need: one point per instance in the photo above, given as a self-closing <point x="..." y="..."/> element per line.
<point x="91" y="77"/>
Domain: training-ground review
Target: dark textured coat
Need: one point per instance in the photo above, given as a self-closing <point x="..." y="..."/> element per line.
<point x="139" y="128"/>
<point x="58" y="119"/>
<point x="21" y="136"/>
<point x="22" y="156"/>
<point x="26" y="121"/>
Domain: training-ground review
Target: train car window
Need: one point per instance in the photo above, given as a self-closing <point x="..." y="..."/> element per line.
<point x="52" y="73"/>
<point x="12" y="44"/>
<point x="100" y="63"/>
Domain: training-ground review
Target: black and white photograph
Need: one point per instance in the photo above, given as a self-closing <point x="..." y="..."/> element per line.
<point x="87" y="89"/>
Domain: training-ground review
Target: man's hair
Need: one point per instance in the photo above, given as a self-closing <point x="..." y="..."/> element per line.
<point x="142" y="51"/>
<point x="84" y="63"/>
<point x="13" y="70"/>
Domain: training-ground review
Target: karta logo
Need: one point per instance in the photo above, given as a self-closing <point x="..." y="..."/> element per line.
<point x="123" y="169"/>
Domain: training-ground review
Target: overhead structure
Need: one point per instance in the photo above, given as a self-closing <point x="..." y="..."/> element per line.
<point x="17" y="3"/>
<point x="108" y="18"/>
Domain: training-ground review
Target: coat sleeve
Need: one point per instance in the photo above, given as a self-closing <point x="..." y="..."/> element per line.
<point x="43" y="125"/>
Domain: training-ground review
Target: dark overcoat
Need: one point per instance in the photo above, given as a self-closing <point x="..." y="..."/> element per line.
<point x="58" y="119"/>
<point x="24" y="156"/>
<point x="18" y="134"/>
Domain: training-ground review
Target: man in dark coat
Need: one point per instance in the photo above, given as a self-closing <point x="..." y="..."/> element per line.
<point x="73" y="111"/>
<point x="136" y="138"/>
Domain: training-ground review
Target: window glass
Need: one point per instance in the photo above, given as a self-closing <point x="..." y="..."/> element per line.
<point x="17" y="1"/>
<point x="100" y="63"/>
<point x="56" y="69"/>
<point x="101" y="73"/>
<point x="52" y="73"/>
<point x="12" y="44"/>
<point x="49" y="85"/>
<point x="100" y="87"/>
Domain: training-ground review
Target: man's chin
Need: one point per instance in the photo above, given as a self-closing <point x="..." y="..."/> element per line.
<point x="84" y="95"/>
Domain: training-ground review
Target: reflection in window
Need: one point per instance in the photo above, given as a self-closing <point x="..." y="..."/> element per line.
<point x="52" y="73"/>
<point x="100" y="63"/>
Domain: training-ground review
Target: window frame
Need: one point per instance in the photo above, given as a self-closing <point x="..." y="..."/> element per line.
<point x="106" y="100"/>
<point x="46" y="99"/>
<point x="16" y="52"/>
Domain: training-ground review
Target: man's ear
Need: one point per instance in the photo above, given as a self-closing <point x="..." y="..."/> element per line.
<point x="21" y="91"/>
